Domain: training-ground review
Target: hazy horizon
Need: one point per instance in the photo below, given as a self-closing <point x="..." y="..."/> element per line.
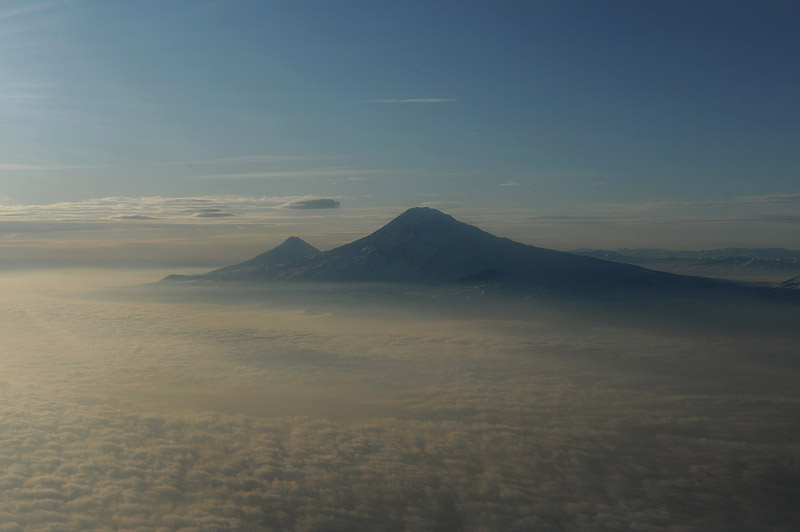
<point x="83" y="240"/>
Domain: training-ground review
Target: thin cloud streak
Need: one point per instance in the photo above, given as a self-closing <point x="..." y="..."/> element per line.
<point x="768" y="199"/>
<point x="246" y="159"/>
<point x="413" y="100"/>
<point x="31" y="8"/>
<point x="336" y="171"/>
<point x="153" y="206"/>
<point x="15" y="167"/>
<point x="315" y="203"/>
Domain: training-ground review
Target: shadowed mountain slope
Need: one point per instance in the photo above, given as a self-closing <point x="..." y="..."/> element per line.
<point x="424" y="245"/>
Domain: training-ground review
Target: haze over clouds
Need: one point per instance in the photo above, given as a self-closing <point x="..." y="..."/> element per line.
<point x="164" y="412"/>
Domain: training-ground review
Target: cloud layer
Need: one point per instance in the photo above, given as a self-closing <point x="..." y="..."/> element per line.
<point x="413" y="100"/>
<point x="276" y="411"/>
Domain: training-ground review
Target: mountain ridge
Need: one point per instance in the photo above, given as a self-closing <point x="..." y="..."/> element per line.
<point x="426" y="246"/>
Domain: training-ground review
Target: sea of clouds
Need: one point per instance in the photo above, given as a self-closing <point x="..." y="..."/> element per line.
<point x="126" y="410"/>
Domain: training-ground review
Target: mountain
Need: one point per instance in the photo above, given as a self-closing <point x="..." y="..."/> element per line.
<point x="426" y="246"/>
<point x="290" y="251"/>
<point x="712" y="254"/>
<point x="740" y="264"/>
<point x="790" y="284"/>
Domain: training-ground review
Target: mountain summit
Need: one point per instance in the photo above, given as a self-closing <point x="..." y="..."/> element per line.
<point x="291" y="250"/>
<point x="425" y="229"/>
<point x="424" y="245"/>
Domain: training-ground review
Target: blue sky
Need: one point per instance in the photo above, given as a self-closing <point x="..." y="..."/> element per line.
<point x="525" y="110"/>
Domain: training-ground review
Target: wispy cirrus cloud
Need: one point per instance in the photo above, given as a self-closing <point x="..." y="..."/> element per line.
<point x="245" y="159"/>
<point x="165" y="209"/>
<point x="21" y="167"/>
<point x="764" y="201"/>
<point x="220" y="161"/>
<point x="769" y="198"/>
<point x="25" y="91"/>
<point x="332" y="171"/>
<point x="412" y="100"/>
<point x="26" y="9"/>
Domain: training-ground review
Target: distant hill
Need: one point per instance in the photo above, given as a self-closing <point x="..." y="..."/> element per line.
<point x="741" y="264"/>
<point x="287" y="253"/>
<point x="790" y="284"/>
<point x="426" y="246"/>
<point x="720" y="253"/>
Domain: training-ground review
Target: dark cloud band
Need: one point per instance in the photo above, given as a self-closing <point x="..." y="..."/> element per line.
<point x="323" y="203"/>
